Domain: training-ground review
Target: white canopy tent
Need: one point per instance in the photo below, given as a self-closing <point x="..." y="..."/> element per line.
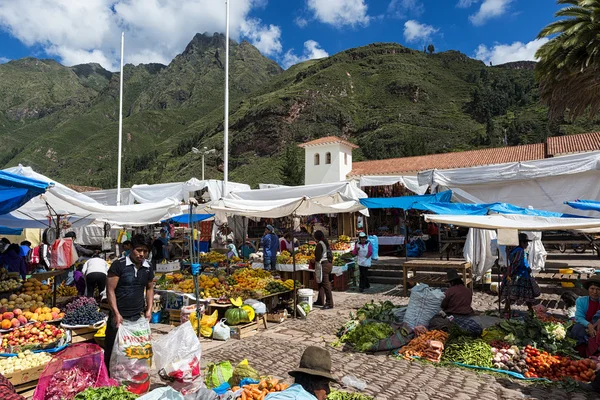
<point x="409" y="182"/>
<point x="349" y="190"/>
<point x="77" y="205"/>
<point x="516" y="222"/>
<point x="543" y="184"/>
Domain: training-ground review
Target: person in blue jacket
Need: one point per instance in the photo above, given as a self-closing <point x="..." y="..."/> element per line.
<point x="274" y="246"/>
<point x="265" y="243"/>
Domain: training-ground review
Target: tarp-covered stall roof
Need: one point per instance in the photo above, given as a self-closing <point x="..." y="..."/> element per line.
<point x="16" y="190"/>
<point x="518" y="222"/>
<point x="543" y="184"/>
<point x="409" y="182"/>
<point x="347" y="189"/>
<point x="485" y="209"/>
<point x="588" y="205"/>
<point x="408" y="202"/>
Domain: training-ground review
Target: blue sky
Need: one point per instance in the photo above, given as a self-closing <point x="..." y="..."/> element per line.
<point x="75" y="31"/>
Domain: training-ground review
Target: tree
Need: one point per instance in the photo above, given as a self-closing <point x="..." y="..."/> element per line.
<point x="570" y="60"/>
<point x="431" y="48"/>
<point x="292" y="169"/>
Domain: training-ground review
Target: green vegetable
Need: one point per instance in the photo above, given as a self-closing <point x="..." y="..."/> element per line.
<point x="468" y="351"/>
<point x="106" y="393"/>
<point x="339" y="395"/>
<point x="366" y="335"/>
<point x="379" y="312"/>
<point x="236" y="315"/>
<point x="305" y="306"/>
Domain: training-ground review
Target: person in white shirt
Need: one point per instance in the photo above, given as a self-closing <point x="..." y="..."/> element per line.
<point x="95" y="271"/>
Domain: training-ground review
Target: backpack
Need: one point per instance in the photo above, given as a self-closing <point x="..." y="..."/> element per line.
<point x="329" y="253"/>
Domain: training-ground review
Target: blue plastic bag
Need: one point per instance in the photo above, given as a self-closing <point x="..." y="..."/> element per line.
<point x="375" y="245"/>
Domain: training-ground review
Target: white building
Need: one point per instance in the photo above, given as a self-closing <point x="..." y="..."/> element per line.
<point x="327" y="160"/>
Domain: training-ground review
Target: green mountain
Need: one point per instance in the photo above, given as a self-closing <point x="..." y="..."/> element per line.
<point x="392" y="101"/>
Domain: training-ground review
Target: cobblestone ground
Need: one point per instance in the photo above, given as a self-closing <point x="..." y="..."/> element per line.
<point x="278" y="349"/>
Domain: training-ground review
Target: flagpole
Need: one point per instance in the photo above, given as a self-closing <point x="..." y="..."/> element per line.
<point x="120" y="122"/>
<point x="226" y="123"/>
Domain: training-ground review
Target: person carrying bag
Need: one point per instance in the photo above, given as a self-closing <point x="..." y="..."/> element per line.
<point x="363" y="251"/>
<point x="323" y="267"/>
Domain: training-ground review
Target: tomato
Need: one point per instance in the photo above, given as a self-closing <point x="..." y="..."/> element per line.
<point x="527" y="375"/>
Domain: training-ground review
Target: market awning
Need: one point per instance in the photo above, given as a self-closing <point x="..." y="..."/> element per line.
<point x="409" y="182"/>
<point x="408" y="202"/>
<point x="10" y="231"/>
<point x="518" y="222"/>
<point x="589" y="205"/>
<point x="493" y="208"/>
<point x="16" y="190"/>
<point x="185" y="218"/>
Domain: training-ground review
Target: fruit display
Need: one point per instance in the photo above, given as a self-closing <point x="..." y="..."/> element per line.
<point x="277" y="286"/>
<point x="259" y="391"/>
<point x="339" y="246"/>
<point x="212" y="257"/>
<point x="33" y="287"/>
<point x="25" y="302"/>
<point x="285" y="257"/>
<point x="66" y="291"/>
<point x="9" y="284"/>
<point x="17" y="317"/>
<point x="82" y="311"/>
<point x="32" y="336"/>
<point x="23" y="361"/>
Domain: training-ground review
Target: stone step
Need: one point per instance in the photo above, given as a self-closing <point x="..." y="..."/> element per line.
<point x="390" y="280"/>
<point x="393" y="267"/>
<point x="385" y="272"/>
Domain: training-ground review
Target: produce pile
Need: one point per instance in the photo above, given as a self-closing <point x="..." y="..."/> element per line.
<point x="33" y="287"/>
<point x="66" y="291"/>
<point x="67" y="383"/>
<point x="23" y="361"/>
<point x="212" y="257"/>
<point x="9" y="284"/>
<point x="16" y="317"/>
<point x="465" y="350"/>
<point x="366" y="335"/>
<point x="258" y="391"/>
<point x="285" y="257"/>
<point x="422" y="344"/>
<point x="82" y="311"/>
<point x="339" y="395"/>
<point x="24" y="302"/>
<point x="106" y="393"/>
<point x="31" y="337"/>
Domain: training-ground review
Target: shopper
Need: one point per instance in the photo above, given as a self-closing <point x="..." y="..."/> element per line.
<point x="270" y="245"/>
<point x="363" y="251"/>
<point x="311" y="378"/>
<point x="232" y="250"/>
<point x="274" y="246"/>
<point x="130" y="291"/>
<point x="13" y="262"/>
<point x="126" y="248"/>
<point x="517" y="283"/>
<point x="323" y="267"/>
<point x="95" y="271"/>
<point x="246" y="249"/>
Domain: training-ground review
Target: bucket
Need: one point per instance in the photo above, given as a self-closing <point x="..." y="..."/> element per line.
<point x="566" y="271"/>
<point x="307" y="296"/>
<point x="487" y="278"/>
<point x="155" y="318"/>
<point x="494" y="287"/>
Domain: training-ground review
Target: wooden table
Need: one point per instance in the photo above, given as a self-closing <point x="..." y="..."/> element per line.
<point x="423" y="264"/>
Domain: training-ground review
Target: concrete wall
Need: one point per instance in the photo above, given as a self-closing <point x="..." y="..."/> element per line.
<point x="323" y="172"/>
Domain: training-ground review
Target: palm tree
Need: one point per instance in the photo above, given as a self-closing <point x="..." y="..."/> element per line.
<point x="569" y="62"/>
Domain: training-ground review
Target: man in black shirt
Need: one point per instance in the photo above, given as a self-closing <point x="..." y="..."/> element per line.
<point x="128" y="278"/>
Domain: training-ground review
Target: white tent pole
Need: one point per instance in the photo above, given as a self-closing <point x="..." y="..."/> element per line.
<point x="120" y="122"/>
<point x="226" y="123"/>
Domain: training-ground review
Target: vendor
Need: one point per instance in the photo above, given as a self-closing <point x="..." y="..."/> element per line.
<point x="312" y="377"/>
<point x="288" y="243"/>
<point x="457" y="303"/>
<point x="587" y="319"/>
<point x="246" y="249"/>
<point x="222" y="235"/>
<point x="363" y="250"/>
<point x="13" y="262"/>
<point x="517" y="282"/>
<point x="270" y="245"/>
<point x="232" y="250"/>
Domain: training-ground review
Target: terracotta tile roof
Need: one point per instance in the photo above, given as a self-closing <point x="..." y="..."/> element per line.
<point x="328" y="140"/>
<point x="461" y="159"/>
<point x="558" y="145"/>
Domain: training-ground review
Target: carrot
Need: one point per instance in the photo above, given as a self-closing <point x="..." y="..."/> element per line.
<point x="235" y="388"/>
<point x="256" y="391"/>
<point x="244" y="397"/>
<point x="278" y="388"/>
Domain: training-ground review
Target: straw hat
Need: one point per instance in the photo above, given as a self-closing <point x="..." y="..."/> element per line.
<point x="315" y="361"/>
<point x="594" y="279"/>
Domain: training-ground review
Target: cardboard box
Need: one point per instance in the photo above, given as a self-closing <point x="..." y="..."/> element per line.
<point x="27" y="375"/>
<point x="168" y="267"/>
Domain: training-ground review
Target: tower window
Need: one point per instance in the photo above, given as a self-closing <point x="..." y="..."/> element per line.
<point x="327" y="158"/>
<point x="317" y="159"/>
<point x="345" y="158"/>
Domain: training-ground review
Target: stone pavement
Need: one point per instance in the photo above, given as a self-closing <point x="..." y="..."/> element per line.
<point x="278" y="349"/>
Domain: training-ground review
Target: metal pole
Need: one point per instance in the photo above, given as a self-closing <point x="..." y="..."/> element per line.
<point x="203" y="165"/>
<point x="120" y="122"/>
<point x="294" y="273"/>
<point x="192" y="261"/>
<point x="226" y="123"/>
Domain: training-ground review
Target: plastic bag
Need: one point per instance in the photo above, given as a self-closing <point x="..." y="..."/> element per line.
<point x="163" y="393"/>
<point x="259" y="307"/>
<point x="206" y="323"/>
<point x="62" y="254"/>
<point x="424" y="303"/>
<point x="177" y="358"/>
<point x="132" y="355"/>
<point x="374" y="240"/>
<point x="88" y="357"/>
<point x="221" y="331"/>
<point x="217" y="374"/>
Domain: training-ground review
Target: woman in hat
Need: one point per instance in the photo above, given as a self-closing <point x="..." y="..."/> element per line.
<point x="587" y="319"/>
<point x="363" y="251"/>
<point x="517" y="282"/>
<point x="457" y="303"/>
<point x="312" y="377"/>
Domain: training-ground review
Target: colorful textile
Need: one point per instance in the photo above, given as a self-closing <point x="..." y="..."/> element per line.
<point x="517" y="283"/>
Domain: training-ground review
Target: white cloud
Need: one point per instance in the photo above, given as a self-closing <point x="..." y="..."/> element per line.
<point x="466" y="3"/>
<point x="503" y="53"/>
<point x="489" y="9"/>
<point x="265" y="38"/>
<point x="312" y="50"/>
<point x="415" y="31"/>
<point x="301" y="22"/>
<point x="401" y="8"/>
<point x="340" y="12"/>
<point x="4" y="60"/>
<point x="155" y="31"/>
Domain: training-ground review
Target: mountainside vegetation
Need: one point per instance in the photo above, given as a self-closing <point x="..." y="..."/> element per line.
<point x="390" y="100"/>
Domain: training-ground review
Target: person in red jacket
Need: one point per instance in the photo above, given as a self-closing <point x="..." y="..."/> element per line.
<point x="363" y="251"/>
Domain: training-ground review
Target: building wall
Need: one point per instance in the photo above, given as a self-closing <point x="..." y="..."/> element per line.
<point x="326" y="173"/>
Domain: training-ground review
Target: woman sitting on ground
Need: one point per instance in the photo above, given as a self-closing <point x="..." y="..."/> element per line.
<point x="587" y="319"/>
<point x="457" y="304"/>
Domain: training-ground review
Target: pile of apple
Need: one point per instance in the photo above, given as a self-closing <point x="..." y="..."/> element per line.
<point x="37" y="333"/>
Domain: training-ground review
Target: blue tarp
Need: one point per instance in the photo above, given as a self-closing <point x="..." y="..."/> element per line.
<point x="408" y="202"/>
<point x="10" y="231"/>
<point x="16" y="190"/>
<point x="185" y="218"/>
<point x="588" y="205"/>
<point x="485" y="209"/>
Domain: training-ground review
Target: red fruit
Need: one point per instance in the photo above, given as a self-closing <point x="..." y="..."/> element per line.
<point x="15" y="322"/>
<point x="8" y="315"/>
<point x="17" y="312"/>
<point x="22" y="319"/>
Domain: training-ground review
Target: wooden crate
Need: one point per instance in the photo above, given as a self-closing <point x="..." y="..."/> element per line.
<point x="341" y="283"/>
<point x="25" y="376"/>
<point x="175" y="317"/>
<point x="82" y="335"/>
<point x="243" y="331"/>
<point x="277" y="317"/>
<point x="26" y="389"/>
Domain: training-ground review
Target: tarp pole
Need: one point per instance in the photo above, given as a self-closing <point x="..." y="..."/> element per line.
<point x="195" y="276"/>
<point x="405" y="237"/>
<point x="294" y="273"/>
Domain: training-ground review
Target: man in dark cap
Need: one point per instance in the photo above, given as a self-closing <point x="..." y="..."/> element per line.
<point x="312" y="377"/>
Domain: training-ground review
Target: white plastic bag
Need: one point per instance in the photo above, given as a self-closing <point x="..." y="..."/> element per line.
<point x="259" y="307"/>
<point x="132" y="355"/>
<point x="177" y="359"/>
<point x="163" y="393"/>
<point x="423" y="304"/>
<point x="221" y="331"/>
